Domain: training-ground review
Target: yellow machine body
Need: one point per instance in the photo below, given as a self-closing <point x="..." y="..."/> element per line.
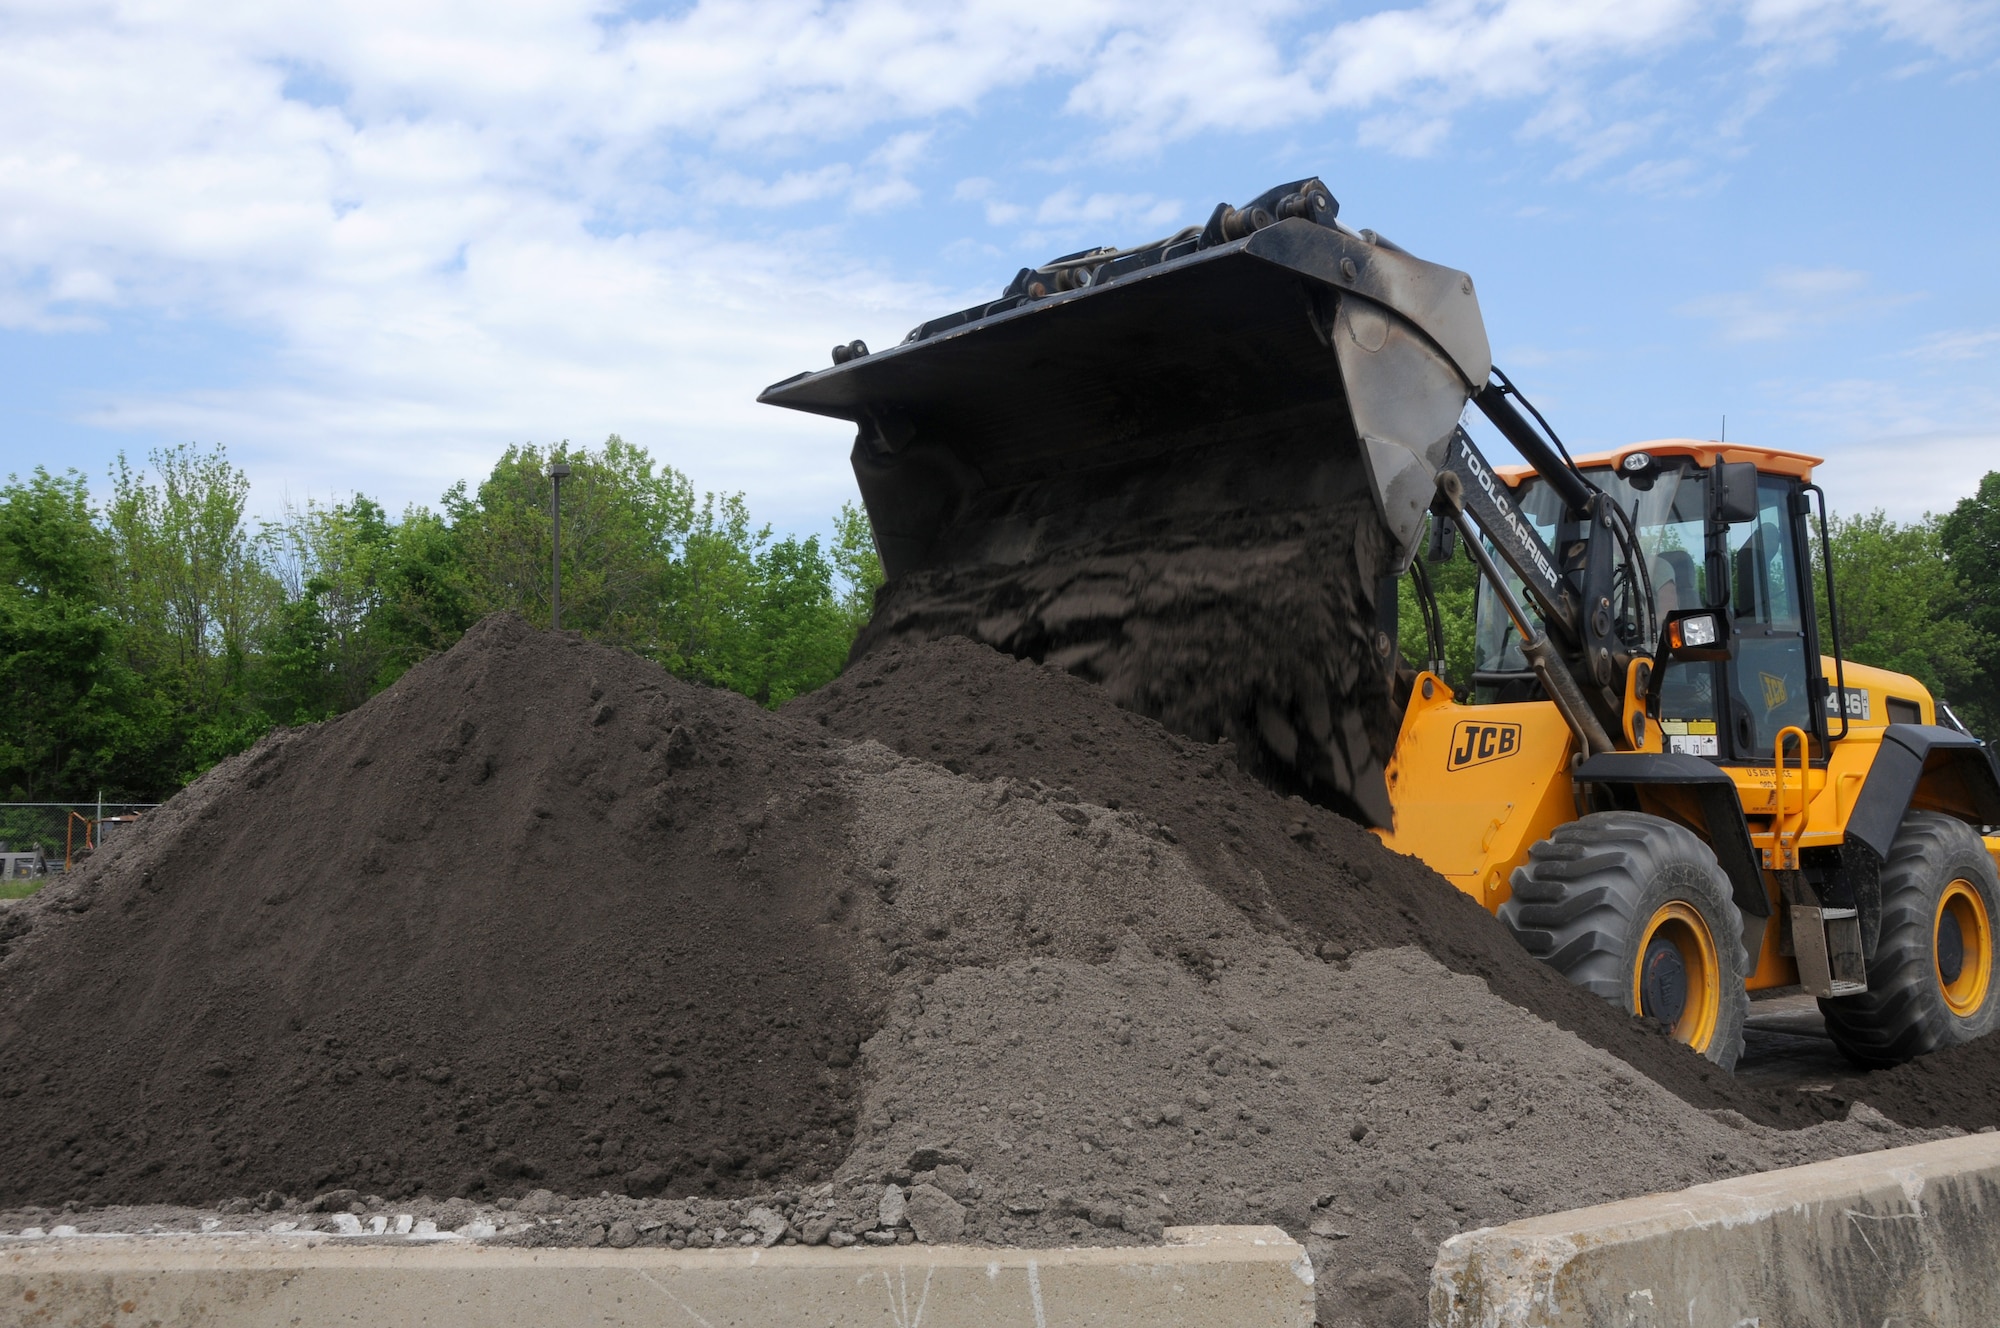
<point x="1474" y="787"/>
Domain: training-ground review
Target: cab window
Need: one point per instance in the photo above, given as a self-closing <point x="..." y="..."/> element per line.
<point x="1667" y="509"/>
<point x="1768" y="683"/>
<point x="1769" y="679"/>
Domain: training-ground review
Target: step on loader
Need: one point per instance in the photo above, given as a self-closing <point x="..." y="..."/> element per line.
<point x="1192" y="470"/>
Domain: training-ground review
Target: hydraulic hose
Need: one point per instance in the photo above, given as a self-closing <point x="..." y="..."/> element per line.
<point x="1534" y="449"/>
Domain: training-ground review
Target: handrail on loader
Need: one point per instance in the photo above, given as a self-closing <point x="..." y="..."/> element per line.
<point x="1785" y="831"/>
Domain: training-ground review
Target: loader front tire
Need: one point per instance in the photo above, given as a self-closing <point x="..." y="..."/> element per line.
<point x="1932" y="981"/>
<point x="1636" y="909"/>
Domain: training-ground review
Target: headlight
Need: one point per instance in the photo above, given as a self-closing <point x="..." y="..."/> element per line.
<point x="1696" y="631"/>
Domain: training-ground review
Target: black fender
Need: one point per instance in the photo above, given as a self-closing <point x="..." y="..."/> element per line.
<point x="1714" y="811"/>
<point x="1942" y="768"/>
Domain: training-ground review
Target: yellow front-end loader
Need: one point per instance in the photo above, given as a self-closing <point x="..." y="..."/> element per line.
<point x="1755" y="813"/>
<point x="1191" y="471"/>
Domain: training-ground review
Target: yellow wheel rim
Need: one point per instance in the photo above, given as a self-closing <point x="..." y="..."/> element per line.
<point x="1680" y="927"/>
<point x="1961" y="908"/>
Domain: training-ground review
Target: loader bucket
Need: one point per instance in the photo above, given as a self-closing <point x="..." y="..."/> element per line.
<point x="1181" y="471"/>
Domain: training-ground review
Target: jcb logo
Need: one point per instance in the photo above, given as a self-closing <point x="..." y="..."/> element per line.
<point x="1774" y="690"/>
<point x="1473" y="743"/>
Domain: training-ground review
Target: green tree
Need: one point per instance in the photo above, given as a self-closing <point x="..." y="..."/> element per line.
<point x="189" y="586"/>
<point x="189" y="583"/>
<point x="696" y="585"/>
<point x="857" y="565"/>
<point x="622" y="517"/>
<point x="798" y="628"/>
<point x="425" y="601"/>
<point x="1970" y="537"/>
<point x="141" y="644"/>
<point x="769" y="620"/>
<point x="325" y="649"/>
<point x="1899" y="602"/>
<point x="706" y="596"/>
<point x="73" y="719"/>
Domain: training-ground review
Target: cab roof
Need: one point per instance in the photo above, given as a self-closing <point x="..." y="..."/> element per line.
<point x="1706" y="452"/>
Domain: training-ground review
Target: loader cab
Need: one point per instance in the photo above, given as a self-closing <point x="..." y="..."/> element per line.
<point x="1755" y="566"/>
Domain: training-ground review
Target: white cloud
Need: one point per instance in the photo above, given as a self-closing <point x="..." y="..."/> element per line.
<point x="1675" y="177"/>
<point x="665" y="339"/>
<point x="1811" y="27"/>
<point x="1855" y="410"/>
<point x="1815" y="283"/>
<point x="979" y="189"/>
<point x="1406" y="135"/>
<point x="1467" y="51"/>
<point x="1070" y="207"/>
<point x="1907" y="475"/>
<point x="1405" y="72"/>
<point x="1905" y="445"/>
<point x="455" y="226"/>
<point x="1595" y="146"/>
<point x="1791" y="302"/>
<point x="1961" y="345"/>
<point x="787" y="190"/>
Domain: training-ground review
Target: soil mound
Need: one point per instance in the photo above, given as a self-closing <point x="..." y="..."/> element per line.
<point x="1087" y="1043"/>
<point x="538" y="914"/>
<point x="1294" y="869"/>
<point x="540" y="918"/>
<point x="1958" y="1086"/>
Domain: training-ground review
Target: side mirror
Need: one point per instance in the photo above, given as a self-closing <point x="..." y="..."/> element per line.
<point x="1736" y="491"/>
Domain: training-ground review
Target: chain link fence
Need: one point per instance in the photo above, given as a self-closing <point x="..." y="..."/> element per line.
<point x="41" y="838"/>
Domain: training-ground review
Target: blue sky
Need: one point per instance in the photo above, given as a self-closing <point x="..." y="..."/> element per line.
<point x="366" y="246"/>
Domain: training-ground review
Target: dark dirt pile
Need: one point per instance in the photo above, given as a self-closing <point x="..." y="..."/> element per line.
<point x="537" y="914"/>
<point x="1082" y="1042"/>
<point x="542" y="918"/>
<point x="1291" y="867"/>
<point x="1958" y="1086"/>
<point x="1094" y="1041"/>
<point x="1254" y="629"/>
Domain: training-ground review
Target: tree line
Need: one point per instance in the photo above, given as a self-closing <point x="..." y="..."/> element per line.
<point x="145" y="639"/>
<point x="1920" y="597"/>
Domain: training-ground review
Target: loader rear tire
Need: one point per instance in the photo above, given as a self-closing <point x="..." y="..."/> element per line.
<point x="1636" y="909"/>
<point x="1932" y="981"/>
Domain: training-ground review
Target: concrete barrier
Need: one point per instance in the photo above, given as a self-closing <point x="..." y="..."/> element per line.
<point x="1203" y="1277"/>
<point x="1900" y="1238"/>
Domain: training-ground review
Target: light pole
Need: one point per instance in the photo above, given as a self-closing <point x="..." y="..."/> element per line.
<point x="558" y="472"/>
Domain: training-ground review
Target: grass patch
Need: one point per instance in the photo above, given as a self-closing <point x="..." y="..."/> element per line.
<point x="21" y="889"/>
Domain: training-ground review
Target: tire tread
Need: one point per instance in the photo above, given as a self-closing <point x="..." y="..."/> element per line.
<point x="1902" y="1015"/>
<point x="1575" y="899"/>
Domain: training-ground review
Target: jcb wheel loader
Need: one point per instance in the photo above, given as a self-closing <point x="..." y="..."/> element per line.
<point x="1193" y="470"/>
<point x="1756" y="821"/>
